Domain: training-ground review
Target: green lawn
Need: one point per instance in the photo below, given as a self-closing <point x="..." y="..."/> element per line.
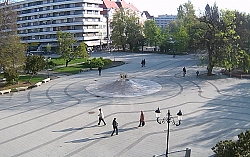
<point x="35" y="79"/>
<point x="23" y="79"/>
<point x="59" y="61"/>
<point x="70" y="69"/>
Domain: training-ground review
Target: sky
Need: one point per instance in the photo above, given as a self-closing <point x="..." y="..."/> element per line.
<point x="162" y="7"/>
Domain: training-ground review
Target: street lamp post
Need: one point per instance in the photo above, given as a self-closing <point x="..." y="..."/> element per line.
<point x="168" y="119"/>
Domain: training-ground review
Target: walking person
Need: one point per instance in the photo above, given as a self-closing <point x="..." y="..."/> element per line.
<point x="184" y="71"/>
<point x="142" y="120"/>
<point x="115" y="125"/>
<point x="100" y="70"/>
<point x="197" y="73"/>
<point x="144" y="62"/>
<point x="101" y="117"/>
<point x="141" y="63"/>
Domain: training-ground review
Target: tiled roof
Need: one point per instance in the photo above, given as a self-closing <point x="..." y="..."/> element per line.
<point x="133" y="7"/>
<point x="122" y="3"/>
<point x="108" y="4"/>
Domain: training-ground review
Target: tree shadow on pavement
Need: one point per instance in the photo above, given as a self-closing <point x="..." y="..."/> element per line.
<point x="220" y="118"/>
<point x="74" y="129"/>
<point x="86" y="140"/>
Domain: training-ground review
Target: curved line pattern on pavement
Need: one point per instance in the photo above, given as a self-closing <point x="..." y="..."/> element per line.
<point x="152" y="133"/>
<point x="79" y="101"/>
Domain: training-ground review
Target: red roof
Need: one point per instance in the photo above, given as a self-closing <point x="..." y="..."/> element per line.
<point x="108" y="4"/>
<point x="122" y="3"/>
<point x="133" y="7"/>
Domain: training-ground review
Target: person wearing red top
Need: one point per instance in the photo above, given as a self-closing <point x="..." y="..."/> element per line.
<point x="142" y="120"/>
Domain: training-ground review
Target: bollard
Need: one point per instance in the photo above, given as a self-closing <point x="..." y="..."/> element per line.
<point x="188" y="152"/>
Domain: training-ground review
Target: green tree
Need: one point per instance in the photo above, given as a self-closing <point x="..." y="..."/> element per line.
<point x="12" y="51"/>
<point x="142" y="42"/>
<point x="118" y="25"/>
<point x="34" y="64"/>
<point x="186" y="20"/>
<point x="97" y="62"/>
<point x="81" y="50"/>
<point x="48" y="48"/>
<point x="165" y="40"/>
<point x="152" y="33"/>
<point x="11" y="75"/>
<point x="133" y="31"/>
<point x="230" y="148"/>
<point x="243" y="30"/>
<point x="65" y="43"/>
<point x="126" y="29"/>
<point x="217" y="35"/>
<point x="181" y="39"/>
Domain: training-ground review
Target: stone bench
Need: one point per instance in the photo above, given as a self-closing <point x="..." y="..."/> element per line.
<point x="5" y="91"/>
<point x="2" y="79"/>
<point x="38" y="84"/>
<point x="22" y="88"/>
<point x="46" y="80"/>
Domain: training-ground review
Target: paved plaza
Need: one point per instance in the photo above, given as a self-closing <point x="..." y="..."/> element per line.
<point x="59" y="118"/>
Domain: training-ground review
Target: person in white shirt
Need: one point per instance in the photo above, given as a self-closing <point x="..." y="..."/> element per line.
<point x="101" y="117"/>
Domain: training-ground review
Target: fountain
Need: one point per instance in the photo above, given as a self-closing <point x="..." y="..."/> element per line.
<point x="124" y="87"/>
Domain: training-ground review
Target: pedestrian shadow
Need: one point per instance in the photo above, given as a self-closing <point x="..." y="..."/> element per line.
<point x="74" y="129"/>
<point x="119" y="130"/>
<point x="127" y="129"/>
<point x="86" y="140"/>
<point x="105" y="133"/>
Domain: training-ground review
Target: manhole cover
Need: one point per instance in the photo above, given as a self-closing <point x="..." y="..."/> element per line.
<point x="91" y="112"/>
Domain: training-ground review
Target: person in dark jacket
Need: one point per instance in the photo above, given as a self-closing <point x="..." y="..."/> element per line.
<point x="197" y="73"/>
<point x="115" y="125"/>
<point x="142" y="120"/>
<point x="184" y="71"/>
<point x="100" y="71"/>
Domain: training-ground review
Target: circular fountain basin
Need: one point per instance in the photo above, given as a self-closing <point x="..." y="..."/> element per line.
<point x="124" y="88"/>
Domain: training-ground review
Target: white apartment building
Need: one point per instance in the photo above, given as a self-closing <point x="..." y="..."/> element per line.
<point x="39" y="20"/>
<point x="163" y="20"/>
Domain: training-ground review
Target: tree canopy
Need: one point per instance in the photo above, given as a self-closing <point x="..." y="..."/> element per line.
<point x="126" y="29"/>
<point x="67" y="47"/>
<point x="217" y="34"/>
<point x="12" y="51"/>
<point x="34" y="64"/>
<point x="152" y="32"/>
<point x="230" y="148"/>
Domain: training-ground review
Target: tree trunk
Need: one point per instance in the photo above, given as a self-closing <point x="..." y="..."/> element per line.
<point x="131" y="47"/>
<point x="210" y="65"/>
<point x="67" y="63"/>
<point x="123" y="48"/>
<point x="210" y="60"/>
<point x="209" y="70"/>
<point x="30" y="78"/>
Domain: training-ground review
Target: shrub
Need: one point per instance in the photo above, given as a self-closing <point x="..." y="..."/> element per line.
<point x="229" y="148"/>
<point x="11" y="76"/>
